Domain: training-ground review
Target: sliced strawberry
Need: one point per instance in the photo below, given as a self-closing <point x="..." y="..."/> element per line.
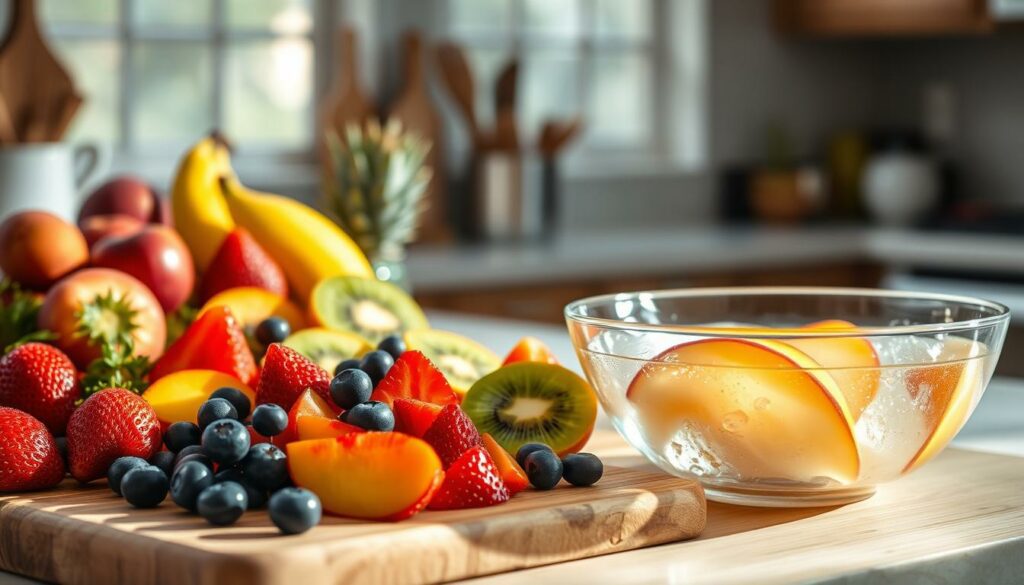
<point x="29" y="458"/>
<point x="414" y="376"/>
<point x="414" y="417"/>
<point x="472" y="481"/>
<point x="241" y="261"/>
<point x="452" y="434"/>
<point x="287" y="374"/>
<point x="111" y="423"/>
<point x="509" y="470"/>
<point x="530" y="349"/>
<point x="309" y="403"/>
<point x="40" y="380"/>
<point x="215" y="341"/>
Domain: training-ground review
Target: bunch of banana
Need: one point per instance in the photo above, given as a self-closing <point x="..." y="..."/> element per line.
<point x="201" y="215"/>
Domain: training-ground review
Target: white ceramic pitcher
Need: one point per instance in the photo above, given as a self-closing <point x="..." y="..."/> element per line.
<point x="45" y="176"/>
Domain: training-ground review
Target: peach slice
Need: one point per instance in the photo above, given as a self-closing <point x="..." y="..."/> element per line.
<point x="854" y="361"/>
<point x="951" y="388"/>
<point x="178" y="396"/>
<point x="250" y="305"/>
<point x="309" y="403"/>
<point x="320" y="427"/>
<point x="762" y="407"/>
<point x="375" y="476"/>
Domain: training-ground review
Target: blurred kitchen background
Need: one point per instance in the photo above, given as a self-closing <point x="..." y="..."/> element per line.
<point x="590" y="146"/>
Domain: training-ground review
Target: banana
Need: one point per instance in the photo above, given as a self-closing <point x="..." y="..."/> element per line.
<point x="200" y="214"/>
<point x="308" y="246"/>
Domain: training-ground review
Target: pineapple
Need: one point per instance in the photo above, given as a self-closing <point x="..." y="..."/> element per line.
<point x="374" y="183"/>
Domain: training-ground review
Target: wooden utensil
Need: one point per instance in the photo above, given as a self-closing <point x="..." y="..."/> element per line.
<point x="414" y="108"/>
<point x="556" y="134"/>
<point x="36" y="88"/>
<point x="506" y="134"/>
<point x="458" y="78"/>
<point x="346" y="103"/>
<point x="7" y="133"/>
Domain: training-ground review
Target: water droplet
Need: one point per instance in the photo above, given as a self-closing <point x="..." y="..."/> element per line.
<point x="734" y="421"/>
<point x="696" y="470"/>
<point x="762" y="403"/>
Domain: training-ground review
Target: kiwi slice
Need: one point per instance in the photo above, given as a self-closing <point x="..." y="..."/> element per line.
<point x="461" y="360"/>
<point x="531" y="402"/>
<point x="364" y="306"/>
<point x="327" y="347"/>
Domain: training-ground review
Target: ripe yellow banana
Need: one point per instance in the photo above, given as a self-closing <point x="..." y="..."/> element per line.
<point x="308" y="246"/>
<point x="200" y="214"/>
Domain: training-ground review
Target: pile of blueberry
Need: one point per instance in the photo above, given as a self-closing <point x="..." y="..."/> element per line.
<point x="354" y="381"/>
<point x="215" y="472"/>
<point x="544" y="469"/>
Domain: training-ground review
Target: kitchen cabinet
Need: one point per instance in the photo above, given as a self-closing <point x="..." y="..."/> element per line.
<point x="873" y="18"/>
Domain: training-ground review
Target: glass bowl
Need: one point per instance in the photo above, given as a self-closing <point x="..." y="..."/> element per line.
<point x="787" y="396"/>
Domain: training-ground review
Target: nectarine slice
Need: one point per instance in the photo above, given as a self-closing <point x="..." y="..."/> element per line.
<point x="375" y="476"/>
<point x="309" y="403"/>
<point x="309" y="427"/>
<point x="178" y="396"/>
<point x="250" y="305"/>
<point x="854" y="361"/>
<point x="762" y="407"/>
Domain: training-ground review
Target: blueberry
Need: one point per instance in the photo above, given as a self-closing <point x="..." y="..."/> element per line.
<point x="189" y="479"/>
<point x="269" y="420"/>
<point x="343" y="365"/>
<point x="376" y="364"/>
<point x="164" y="460"/>
<point x="202" y="458"/>
<point x="295" y="510"/>
<point x="144" y="487"/>
<point x="372" y="416"/>
<point x="180" y="435"/>
<point x="237" y="398"/>
<point x="226" y="441"/>
<point x="215" y="409"/>
<point x="543" y="469"/>
<point x="196" y="449"/>
<point x="266" y="467"/>
<point x="393" y="344"/>
<point x="528" y="448"/>
<point x="272" y="330"/>
<point x="257" y="497"/>
<point x="582" y="469"/>
<point x="222" y="504"/>
<point x="121" y="466"/>
<point x="351" y="387"/>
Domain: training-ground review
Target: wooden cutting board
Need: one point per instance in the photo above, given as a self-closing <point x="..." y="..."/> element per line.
<point x="88" y="535"/>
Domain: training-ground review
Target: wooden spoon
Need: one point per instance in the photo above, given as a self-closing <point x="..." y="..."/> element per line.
<point x="459" y="80"/>
<point x="556" y="134"/>
<point x="347" y="103"/>
<point x="506" y="134"/>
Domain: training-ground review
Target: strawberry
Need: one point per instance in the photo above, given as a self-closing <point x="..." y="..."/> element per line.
<point x="111" y="423"/>
<point x="29" y="458"/>
<point x="452" y="434"/>
<point x="414" y="417"/>
<point x="472" y="481"/>
<point x="215" y="341"/>
<point x="40" y="380"/>
<point x="414" y="376"/>
<point x="511" y="473"/>
<point x="287" y="374"/>
<point x="241" y="261"/>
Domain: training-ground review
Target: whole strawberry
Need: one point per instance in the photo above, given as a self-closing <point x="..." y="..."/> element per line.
<point x="40" y="380"/>
<point x="452" y="434"/>
<point x="29" y="459"/>
<point x="111" y="423"/>
<point x="472" y="481"/>
<point x="286" y="374"/>
<point x="241" y="261"/>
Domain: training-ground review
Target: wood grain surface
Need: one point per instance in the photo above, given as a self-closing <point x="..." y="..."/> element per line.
<point x="88" y="535"/>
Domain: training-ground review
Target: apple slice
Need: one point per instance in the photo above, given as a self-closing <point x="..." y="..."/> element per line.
<point x="853" y="359"/>
<point x="178" y="396"/>
<point x="762" y="407"/>
<point x="951" y="388"/>
<point x="375" y="476"/>
<point x="310" y="427"/>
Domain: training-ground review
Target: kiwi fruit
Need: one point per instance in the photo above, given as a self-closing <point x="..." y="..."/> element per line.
<point x="327" y="347"/>
<point x="530" y="402"/>
<point x="369" y="308"/>
<point x="461" y="360"/>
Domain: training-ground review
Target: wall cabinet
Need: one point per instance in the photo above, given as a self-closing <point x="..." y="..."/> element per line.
<point x="872" y="18"/>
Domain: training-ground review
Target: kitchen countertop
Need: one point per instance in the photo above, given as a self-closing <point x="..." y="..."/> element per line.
<point x="678" y="252"/>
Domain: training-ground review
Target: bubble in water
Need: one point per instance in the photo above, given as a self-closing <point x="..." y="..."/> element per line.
<point x="734" y="421"/>
<point x="762" y="403"/>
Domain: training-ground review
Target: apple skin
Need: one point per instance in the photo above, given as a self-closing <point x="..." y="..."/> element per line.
<point x="126" y="196"/>
<point x="99" y="227"/>
<point x="157" y="256"/>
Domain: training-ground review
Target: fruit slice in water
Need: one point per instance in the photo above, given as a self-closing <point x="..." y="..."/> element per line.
<point x="369" y="308"/>
<point x="461" y="360"/>
<point x="327" y="347"/>
<point x="377" y="476"/>
<point x="947" y="391"/>
<point x="178" y="396"/>
<point x="854" y="359"/>
<point x="252" y="305"/>
<point x="762" y="407"/>
<point x="533" y="403"/>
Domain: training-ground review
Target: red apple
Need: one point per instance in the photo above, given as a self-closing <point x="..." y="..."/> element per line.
<point x="157" y="256"/>
<point x="99" y="227"/>
<point x="125" y="196"/>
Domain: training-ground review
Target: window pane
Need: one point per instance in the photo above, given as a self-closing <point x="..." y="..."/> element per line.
<point x="79" y="11"/>
<point x="172" y="89"/>
<point x="268" y="92"/>
<point x="474" y="16"/>
<point x="485" y="65"/>
<point x="95" y="66"/>
<point x="550" y="88"/>
<point x="620" y="99"/>
<point x="618" y="19"/>
<point x="559" y="18"/>
<point x="280" y="16"/>
<point x="180" y="13"/>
